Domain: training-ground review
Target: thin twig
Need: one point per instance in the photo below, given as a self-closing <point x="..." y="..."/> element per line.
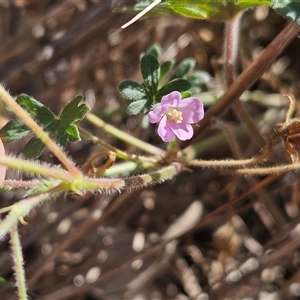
<point x="40" y="133"/>
<point x="18" y="262"/>
<point x="247" y="78"/>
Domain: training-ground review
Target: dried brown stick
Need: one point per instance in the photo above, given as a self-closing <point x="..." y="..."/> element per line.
<point x="247" y="78"/>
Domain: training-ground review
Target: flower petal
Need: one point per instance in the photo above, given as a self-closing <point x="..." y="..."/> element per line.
<point x="172" y="99"/>
<point x="157" y="113"/>
<point x="164" y="130"/>
<point x="192" y="110"/>
<point x="183" y="131"/>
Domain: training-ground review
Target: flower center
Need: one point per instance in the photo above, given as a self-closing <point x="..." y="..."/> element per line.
<point x="174" y="115"/>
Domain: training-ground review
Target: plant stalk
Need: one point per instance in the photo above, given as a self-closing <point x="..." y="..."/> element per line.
<point x="35" y="168"/>
<point x="40" y="133"/>
<point x="247" y="78"/>
<point x="18" y="262"/>
<point x="231" y="46"/>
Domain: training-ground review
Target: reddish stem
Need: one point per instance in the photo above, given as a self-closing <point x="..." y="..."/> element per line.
<point x="247" y="78"/>
<point x="231" y="48"/>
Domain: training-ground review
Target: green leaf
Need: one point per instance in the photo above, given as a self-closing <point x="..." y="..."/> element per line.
<point x="173" y="85"/>
<point x="132" y="90"/>
<point x="217" y="10"/>
<point x="63" y="127"/>
<point x="14" y="130"/>
<point x="288" y="9"/>
<point x="165" y="68"/>
<point x="36" y="109"/>
<point x="29" y="103"/>
<point x="73" y="133"/>
<point x="72" y="112"/>
<point x="184" y="67"/>
<point x="151" y="72"/>
<point x="195" y="11"/>
<point x="155" y="50"/>
<point x="62" y="136"/>
<point x="137" y="93"/>
<point x="136" y="107"/>
<point x="198" y="78"/>
<point x="146" y="94"/>
<point x="186" y="94"/>
<point x="33" y="148"/>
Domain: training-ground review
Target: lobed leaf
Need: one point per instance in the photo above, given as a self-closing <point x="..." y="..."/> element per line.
<point x="73" y="133"/>
<point x="33" y="148"/>
<point x="36" y="109"/>
<point x="63" y="126"/>
<point x="14" y="130"/>
<point x="72" y="112"/>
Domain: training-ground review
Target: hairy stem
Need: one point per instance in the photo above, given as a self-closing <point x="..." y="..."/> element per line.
<point x="106" y="184"/>
<point x="20" y="184"/>
<point x="40" y="133"/>
<point x="18" y="262"/>
<point x="230" y="163"/>
<point x="158" y="176"/>
<point x="230" y="48"/>
<point x="231" y="43"/>
<point x="19" y="210"/>
<point x="268" y="170"/>
<point x="35" y="168"/>
<point x="291" y="109"/>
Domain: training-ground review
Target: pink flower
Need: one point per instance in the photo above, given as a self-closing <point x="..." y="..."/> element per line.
<point x="175" y="116"/>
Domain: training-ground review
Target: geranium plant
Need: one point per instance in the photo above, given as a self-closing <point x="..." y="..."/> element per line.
<point x="170" y="98"/>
